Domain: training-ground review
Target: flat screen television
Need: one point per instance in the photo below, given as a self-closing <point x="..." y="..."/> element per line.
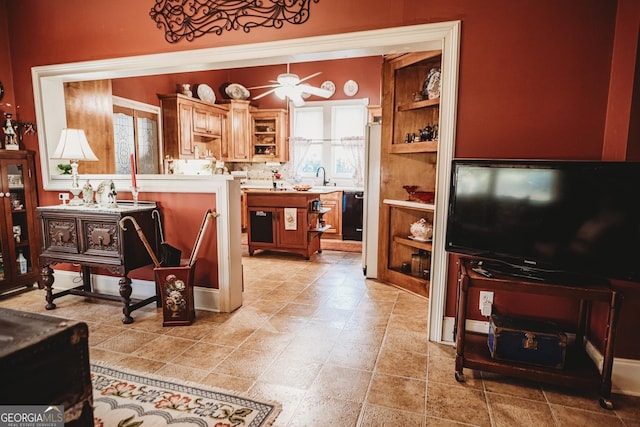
<point x="547" y="220"/>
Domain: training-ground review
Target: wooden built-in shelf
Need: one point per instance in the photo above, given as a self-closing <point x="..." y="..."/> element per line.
<point x="410" y="205"/>
<point x="414" y="147"/>
<point x="419" y="104"/>
<point x="427" y="246"/>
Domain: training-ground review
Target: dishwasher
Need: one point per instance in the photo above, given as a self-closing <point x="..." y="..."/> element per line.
<point x="352" y="208"/>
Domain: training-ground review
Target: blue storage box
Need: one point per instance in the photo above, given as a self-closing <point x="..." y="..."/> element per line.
<point x="529" y="341"/>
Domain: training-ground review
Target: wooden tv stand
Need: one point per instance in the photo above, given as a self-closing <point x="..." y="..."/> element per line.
<point x="580" y="371"/>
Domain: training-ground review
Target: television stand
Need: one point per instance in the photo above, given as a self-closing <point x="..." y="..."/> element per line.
<point x="579" y="371"/>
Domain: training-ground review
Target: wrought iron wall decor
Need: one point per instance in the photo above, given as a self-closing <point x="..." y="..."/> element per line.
<point x="189" y="19"/>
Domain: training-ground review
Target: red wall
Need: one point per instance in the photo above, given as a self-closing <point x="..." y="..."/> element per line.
<point x="533" y="79"/>
<point x="365" y="71"/>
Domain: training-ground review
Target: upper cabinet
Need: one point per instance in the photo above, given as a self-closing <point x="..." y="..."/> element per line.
<point x="269" y="135"/>
<point x="238" y="131"/>
<point x="192" y="128"/>
<point x="233" y="132"/>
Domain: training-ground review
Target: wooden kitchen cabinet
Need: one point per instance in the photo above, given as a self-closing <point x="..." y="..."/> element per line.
<point x="406" y="161"/>
<point x="19" y="229"/>
<point x="269" y="135"/>
<point x="285" y="221"/>
<point x="244" y="211"/>
<point x="238" y="131"/>
<point x="188" y="123"/>
<point x="333" y="218"/>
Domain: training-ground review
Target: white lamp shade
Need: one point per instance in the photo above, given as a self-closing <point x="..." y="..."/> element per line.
<point x="73" y="145"/>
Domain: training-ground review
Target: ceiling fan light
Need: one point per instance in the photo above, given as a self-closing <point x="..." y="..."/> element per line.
<point x="281" y="92"/>
<point x="288" y="79"/>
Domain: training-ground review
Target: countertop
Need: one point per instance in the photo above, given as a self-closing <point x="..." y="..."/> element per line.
<point x="318" y="190"/>
<point x="264" y="185"/>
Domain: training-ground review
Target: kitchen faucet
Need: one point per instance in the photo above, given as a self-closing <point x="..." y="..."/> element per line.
<point x="325" y="181"/>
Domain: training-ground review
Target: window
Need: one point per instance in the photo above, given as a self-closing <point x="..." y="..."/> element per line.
<point x="329" y="134"/>
<point x="136" y="130"/>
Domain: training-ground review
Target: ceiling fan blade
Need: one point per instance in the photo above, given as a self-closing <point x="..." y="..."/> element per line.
<point x="264" y="86"/>
<point x="296" y="98"/>
<point x="317" y="91"/>
<point x="262" y="95"/>
<point x="310" y="76"/>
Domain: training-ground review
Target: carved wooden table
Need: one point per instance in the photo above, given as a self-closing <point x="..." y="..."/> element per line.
<point x="92" y="237"/>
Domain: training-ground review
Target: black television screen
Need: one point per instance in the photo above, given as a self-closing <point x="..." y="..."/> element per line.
<point x="548" y="217"/>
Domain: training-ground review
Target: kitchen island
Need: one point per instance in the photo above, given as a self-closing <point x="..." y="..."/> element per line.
<point x="286" y="220"/>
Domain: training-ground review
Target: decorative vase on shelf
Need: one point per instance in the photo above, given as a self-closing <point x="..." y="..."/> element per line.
<point x="421" y="230"/>
<point x="186" y="89"/>
<point x="87" y="193"/>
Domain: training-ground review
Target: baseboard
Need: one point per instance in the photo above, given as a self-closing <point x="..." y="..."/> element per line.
<point x="207" y="299"/>
<point x="626" y="372"/>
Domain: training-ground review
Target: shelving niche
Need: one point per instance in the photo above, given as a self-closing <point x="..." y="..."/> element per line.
<point x="405" y="113"/>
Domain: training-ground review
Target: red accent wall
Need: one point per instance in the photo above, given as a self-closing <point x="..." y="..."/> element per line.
<point x="365" y="71"/>
<point x="534" y="77"/>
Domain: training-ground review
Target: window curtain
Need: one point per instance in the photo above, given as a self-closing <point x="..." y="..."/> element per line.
<point x="354" y="150"/>
<point x="298" y="150"/>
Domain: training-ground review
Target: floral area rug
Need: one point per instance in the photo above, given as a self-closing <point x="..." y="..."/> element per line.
<point x="126" y="399"/>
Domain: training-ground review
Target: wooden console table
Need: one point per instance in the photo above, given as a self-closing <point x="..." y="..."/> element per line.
<point x="91" y="237"/>
<point x="580" y="371"/>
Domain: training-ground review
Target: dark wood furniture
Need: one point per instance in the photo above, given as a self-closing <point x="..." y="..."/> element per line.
<point x="580" y="371"/>
<point x="92" y="237"/>
<point x="44" y="360"/>
<point x="268" y="227"/>
<point x="19" y="230"/>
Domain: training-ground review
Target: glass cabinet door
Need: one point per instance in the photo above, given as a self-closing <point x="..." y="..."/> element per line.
<point x="1" y="261"/>
<point x="17" y="247"/>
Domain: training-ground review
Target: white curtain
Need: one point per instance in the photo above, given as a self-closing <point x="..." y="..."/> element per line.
<point x="354" y="150"/>
<point x="298" y="150"/>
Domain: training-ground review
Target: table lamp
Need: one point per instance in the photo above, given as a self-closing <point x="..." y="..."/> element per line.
<point x="73" y="146"/>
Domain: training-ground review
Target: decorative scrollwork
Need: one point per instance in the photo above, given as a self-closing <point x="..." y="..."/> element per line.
<point x="189" y="19"/>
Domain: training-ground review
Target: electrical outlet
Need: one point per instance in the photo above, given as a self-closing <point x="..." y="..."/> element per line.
<point x="485" y="297"/>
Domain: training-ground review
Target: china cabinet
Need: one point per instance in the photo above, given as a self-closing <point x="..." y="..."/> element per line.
<point x="410" y="122"/>
<point x="192" y="128"/>
<point x="268" y="135"/>
<point x="19" y="231"/>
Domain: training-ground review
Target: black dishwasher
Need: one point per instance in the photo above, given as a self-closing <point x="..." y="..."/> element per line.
<point x="352" y="206"/>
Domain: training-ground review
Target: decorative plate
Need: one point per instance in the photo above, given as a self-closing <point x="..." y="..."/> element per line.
<point x="330" y="86"/>
<point x="350" y="88"/>
<point x="206" y="94"/>
<point x="237" y="91"/>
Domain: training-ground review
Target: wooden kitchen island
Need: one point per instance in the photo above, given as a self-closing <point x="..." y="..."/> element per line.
<point x="286" y="220"/>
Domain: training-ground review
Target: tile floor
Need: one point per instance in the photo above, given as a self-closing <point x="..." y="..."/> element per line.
<point x="333" y="348"/>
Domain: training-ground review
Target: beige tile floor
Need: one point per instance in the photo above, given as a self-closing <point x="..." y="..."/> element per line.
<point x="333" y="348"/>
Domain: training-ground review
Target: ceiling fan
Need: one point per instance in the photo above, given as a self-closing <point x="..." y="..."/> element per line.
<point x="289" y="85"/>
